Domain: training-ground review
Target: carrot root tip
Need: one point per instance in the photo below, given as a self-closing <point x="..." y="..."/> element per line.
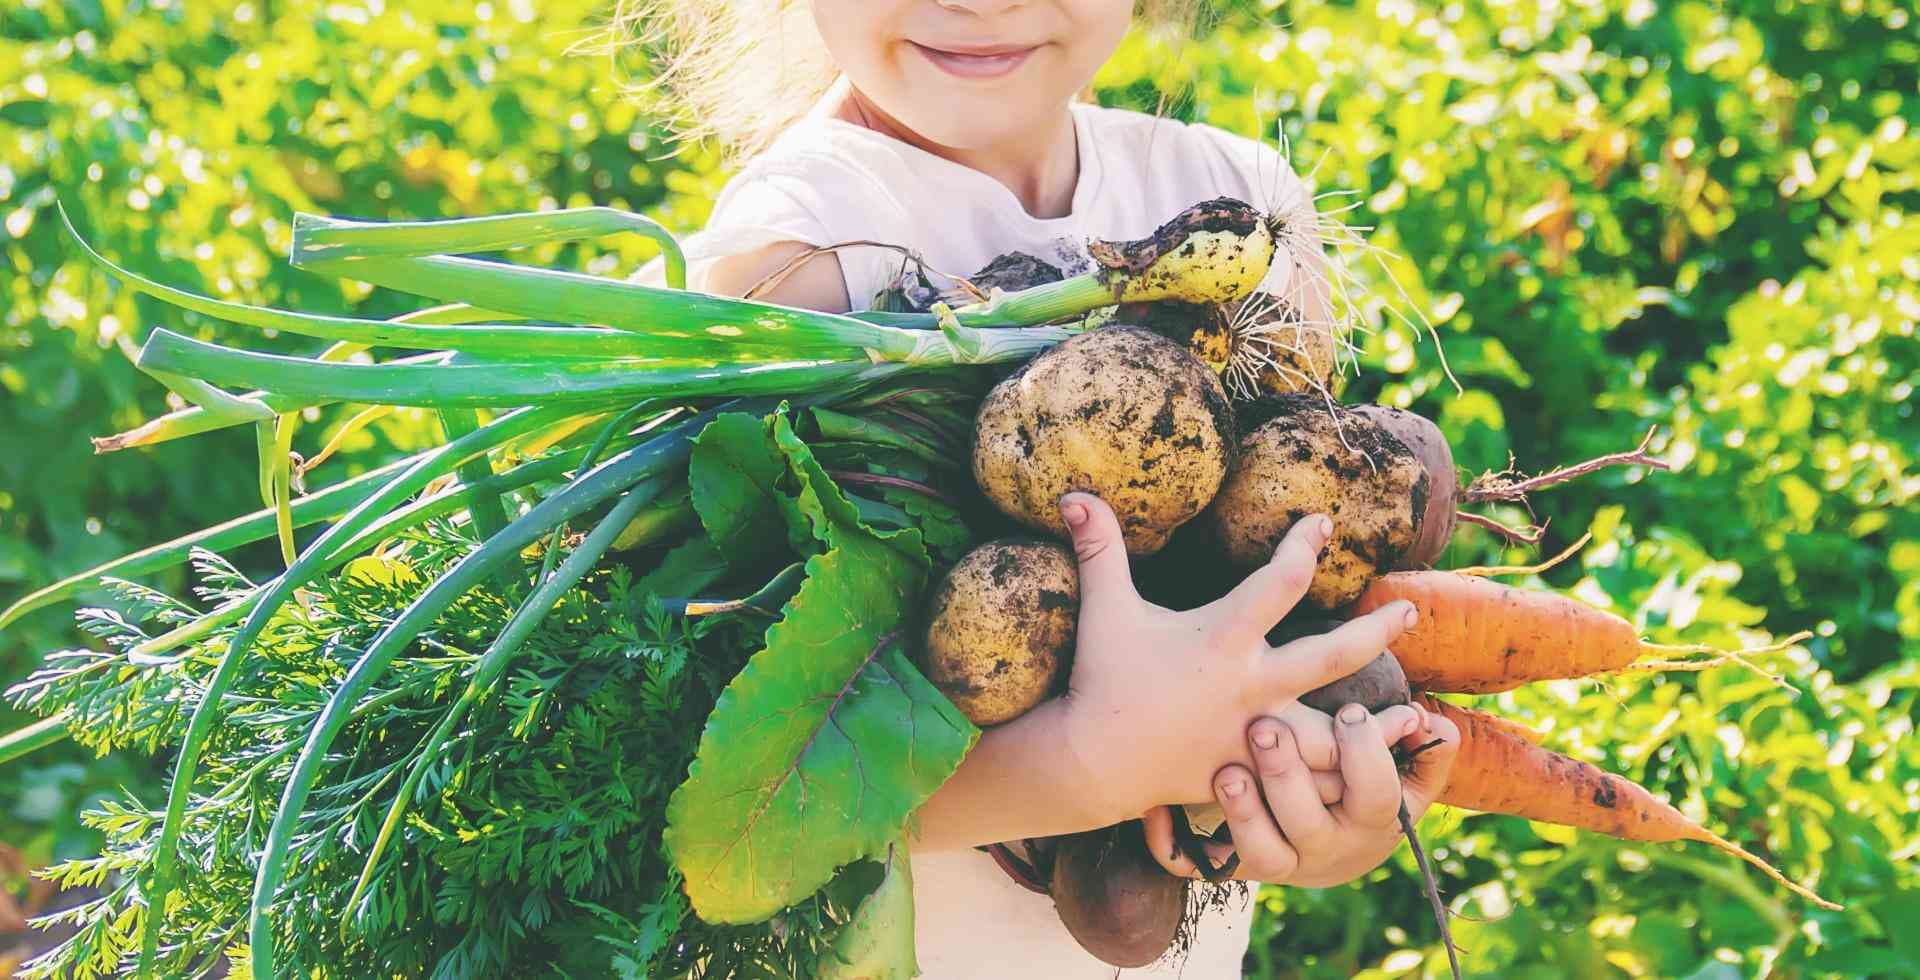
<point x="1742" y="853"/>
<point x="1720" y="657"/>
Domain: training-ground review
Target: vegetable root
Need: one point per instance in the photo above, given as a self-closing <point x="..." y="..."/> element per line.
<point x="1485" y="571"/>
<point x="1477" y="636"/>
<point x="1495" y="487"/>
<point x="1499" y="770"/>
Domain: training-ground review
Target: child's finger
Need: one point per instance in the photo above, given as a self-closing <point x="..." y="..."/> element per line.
<point x="1105" y="577"/>
<point x="1398" y="721"/>
<point x="1264" y="854"/>
<point x="1266" y="596"/>
<point x="1330" y="787"/>
<point x="1157" y="824"/>
<point x="1294" y="794"/>
<point x="1313" y="661"/>
<point x="1373" y="782"/>
<point x="1313" y="732"/>
<point x="1427" y="776"/>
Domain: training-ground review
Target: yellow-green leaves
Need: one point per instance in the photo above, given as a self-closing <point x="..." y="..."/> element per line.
<point x="877" y="943"/>
<point x="825" y="743"/>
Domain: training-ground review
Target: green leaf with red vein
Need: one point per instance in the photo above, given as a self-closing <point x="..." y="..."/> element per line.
<point x="826" y="742"/>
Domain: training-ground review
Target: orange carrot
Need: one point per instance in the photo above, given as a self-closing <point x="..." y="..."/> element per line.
<point x="1499" y="770"/>
<point x="1480" y="719"/>
<point x="1477" y="636"/>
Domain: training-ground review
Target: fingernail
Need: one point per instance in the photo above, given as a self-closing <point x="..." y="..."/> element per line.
<point x="1234" y="788"/>
<point x="1425" y="723"/>
<point x="1265" y="738"/>
<point x="1075" y="514"/>
<point x="1411" y="614"/>
<point x="1353" y="714"/>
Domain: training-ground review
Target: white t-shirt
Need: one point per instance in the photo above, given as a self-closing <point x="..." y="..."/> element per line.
<point x="827" y="181"/>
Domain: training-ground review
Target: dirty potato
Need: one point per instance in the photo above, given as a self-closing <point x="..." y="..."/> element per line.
<point x="1306" y="459"/>
<point x="1119" y="412"/>
<point x="1000" y="630"/>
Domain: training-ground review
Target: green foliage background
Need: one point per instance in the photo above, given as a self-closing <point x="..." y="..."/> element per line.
<point x="1620" y="214"/>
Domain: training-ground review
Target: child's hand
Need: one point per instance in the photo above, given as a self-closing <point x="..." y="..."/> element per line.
<point x="1159" y="699"/>
<point x="1283" y="830"/>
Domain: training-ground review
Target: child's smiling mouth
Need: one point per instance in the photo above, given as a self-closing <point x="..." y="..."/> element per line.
<point x="976" y="61"/>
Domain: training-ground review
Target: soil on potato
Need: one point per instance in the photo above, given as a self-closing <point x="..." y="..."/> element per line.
<point x="1014" y="271"/>
<point x="1222" y="214"/>
<point x="999" y="637"/>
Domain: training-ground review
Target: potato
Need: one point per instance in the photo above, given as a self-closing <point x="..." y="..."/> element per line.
<point x="1119" y="412"/>
<point x="1307" y="459"/>
<point x="1000" y="628"/>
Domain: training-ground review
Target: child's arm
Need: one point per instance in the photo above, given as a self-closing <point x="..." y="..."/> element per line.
<point x="816" y="283"/>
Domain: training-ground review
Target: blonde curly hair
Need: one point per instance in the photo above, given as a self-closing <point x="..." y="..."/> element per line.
<point x="740" y="72"/>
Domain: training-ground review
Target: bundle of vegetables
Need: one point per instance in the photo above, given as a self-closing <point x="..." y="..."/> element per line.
<point x="452" y="735"/>
<point x="457" y="736"/>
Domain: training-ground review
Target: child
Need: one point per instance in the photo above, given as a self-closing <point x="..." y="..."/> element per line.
<point x="950" y="127"/>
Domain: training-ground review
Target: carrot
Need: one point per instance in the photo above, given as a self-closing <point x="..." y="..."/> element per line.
<point x="1499" y="770"/>
<point x="1477" y="636"/>
<point x="1505" y="727"/>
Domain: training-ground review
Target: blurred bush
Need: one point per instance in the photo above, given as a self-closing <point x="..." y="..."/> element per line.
<point x="1619" y="213"/>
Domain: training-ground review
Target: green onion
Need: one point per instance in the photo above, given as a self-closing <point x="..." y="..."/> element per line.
<point x="460" y="383"/>
<point x="324" y="240"/>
